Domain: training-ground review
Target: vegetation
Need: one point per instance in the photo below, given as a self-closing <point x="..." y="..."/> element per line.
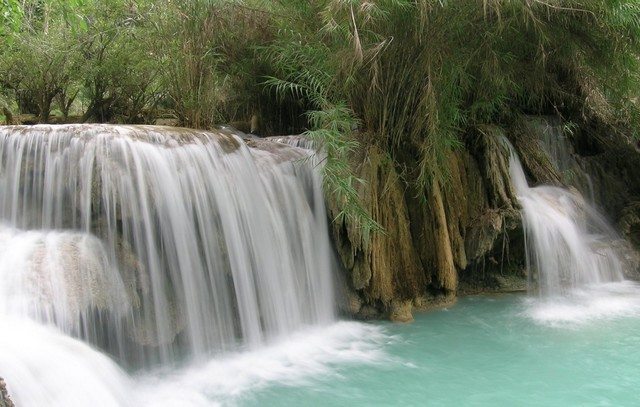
<point x="410" y="76"/>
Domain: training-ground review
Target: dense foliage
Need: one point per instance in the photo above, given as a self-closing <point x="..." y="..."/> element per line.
<point x="409" y="75"/>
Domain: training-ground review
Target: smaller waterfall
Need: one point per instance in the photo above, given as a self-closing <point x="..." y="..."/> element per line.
<point x="569" y="244"/>
<point x="574" y="256"/>
<point x="554" y="141"/>
<point x="295" y="141"/>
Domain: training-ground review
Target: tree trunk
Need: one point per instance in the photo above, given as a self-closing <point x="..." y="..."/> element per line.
<point x="45" y="105"/>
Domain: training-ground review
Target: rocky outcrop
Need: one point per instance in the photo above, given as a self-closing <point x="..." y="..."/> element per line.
<point x="383" y="267"/>
<point x="5" y="400"/>
<point x="434" y="240"/>
<point x="462" y="233"/>
<point x="525" y="136"/>
<point x="613" y="162"/>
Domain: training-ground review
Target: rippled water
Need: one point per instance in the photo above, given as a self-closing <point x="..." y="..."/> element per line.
<point x="492" y="351"/>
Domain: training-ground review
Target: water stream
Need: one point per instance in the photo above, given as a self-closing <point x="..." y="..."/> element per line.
<point x="575" y="259"/>
<point x="569" y="244"/>
<point x="151" y="247"/>
<point x="149" y="266"/>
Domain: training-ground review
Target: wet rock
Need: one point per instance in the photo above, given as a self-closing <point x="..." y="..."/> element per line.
<point x="381" y="267"/>
<point x="630" y="255"/>
<point x="433" y="302"/>
<point x="401" y="311"/>
<point x="228" y="143"/>
<point x="295" y="141"/>
<point x="485" y="230"/>
<point x="431" y="235"/>
<point x="167" y="122"/>
<point x="613" y="163"/>
<point x="277" y="152"/>
<point x="463" y="234"/>
<point x="354" y="303"/>
<point x="5" y="400"/>
<point x="368" y="312"/>
<point x="629" y="222"/>
<point x="526" y="136"/>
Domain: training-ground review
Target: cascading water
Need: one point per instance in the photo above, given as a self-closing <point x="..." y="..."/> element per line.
<point x="156" y="245"/>
<point x="295" y="141"/>
<point x="554" y="141"/>
<point x="573" y="256"/>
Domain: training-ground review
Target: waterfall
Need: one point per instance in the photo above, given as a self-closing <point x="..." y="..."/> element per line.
<point x="574" y="257"/>
<point x="554" y="141"/>
<point x="569" y="244"/>
<point x="295" y="141"/>
<point x="159" y="245"/>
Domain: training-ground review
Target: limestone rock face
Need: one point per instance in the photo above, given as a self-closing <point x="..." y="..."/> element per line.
<point x="385" y="266"/>
<point x="615" y="185"/>
<point x="431" y="236"/>
<point x="401" y="311"/>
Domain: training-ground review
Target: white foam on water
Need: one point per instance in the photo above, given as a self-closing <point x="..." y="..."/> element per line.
<point x="569" y="245"/>
<point x="580" y="306"/>
<point x="574" y="257"/>
<point x="57" y="278"/>
<point x="155" y="243"/>
<point x="295" y="361"/>
<point x="44" y="367"/>
<point x="159" y="246"/>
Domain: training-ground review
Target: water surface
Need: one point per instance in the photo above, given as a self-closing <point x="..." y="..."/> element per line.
<point x="491" y="351"/>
